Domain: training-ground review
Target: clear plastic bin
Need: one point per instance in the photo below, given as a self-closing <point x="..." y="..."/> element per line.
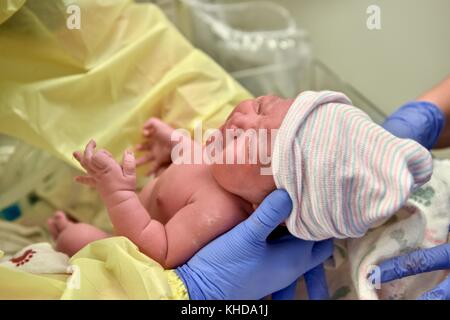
<point x="259" y="43"/>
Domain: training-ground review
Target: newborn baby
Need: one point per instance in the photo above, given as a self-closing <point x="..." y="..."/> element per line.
<point x="186" y="206"/>
<point x="343" y="173"/>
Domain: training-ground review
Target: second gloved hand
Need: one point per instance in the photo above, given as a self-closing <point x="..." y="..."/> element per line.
<point x="241" y="264"/>
<point x="418" y="120"/>
<point x="425" y="260"/>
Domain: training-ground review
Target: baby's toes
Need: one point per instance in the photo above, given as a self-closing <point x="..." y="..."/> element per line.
<point x="61" y="221"/>
<point x="52" y="228"/>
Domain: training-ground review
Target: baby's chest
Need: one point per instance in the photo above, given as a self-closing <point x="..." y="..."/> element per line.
<point x="171" y="193"/>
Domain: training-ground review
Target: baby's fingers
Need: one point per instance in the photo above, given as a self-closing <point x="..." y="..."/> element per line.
<point x="89" y="151"/>
<point x="147" y="157"/>
<point x="79" y="157"/>
<point x="148" y="132"/>
<point x="142" y="146"/>
<point x="128" y="164"/>
<point x="85" y="158"/>
<point x="149" y="127"/>
<point x="89" y="181"/>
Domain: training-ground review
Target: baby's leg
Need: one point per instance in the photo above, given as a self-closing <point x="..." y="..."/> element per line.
<point x="69" y="236"/>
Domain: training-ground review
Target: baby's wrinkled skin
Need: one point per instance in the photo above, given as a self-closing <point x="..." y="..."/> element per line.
<point x="187" y="205"/>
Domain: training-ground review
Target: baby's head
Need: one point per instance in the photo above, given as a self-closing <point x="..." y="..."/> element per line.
<point x="246" y="180"/>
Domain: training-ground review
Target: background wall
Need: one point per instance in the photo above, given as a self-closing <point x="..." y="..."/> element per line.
<point x="390" y="66"/>
<point x="407" y="56"/>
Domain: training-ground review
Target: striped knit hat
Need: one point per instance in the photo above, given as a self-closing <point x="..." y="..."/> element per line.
<point x="343" y="172"/>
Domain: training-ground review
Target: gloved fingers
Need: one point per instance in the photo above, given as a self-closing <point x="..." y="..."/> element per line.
<point x="322" y="250"/>
<point x="128" y="164"/>
<point x="441" y="292"/>
<point x="306" y="253"/>
<point x="275" y="208"/>
<point x="287" y="293"/>
<point x="282" y="239"/>
<point x="418" y="120"/>
<point x="316" y="283"/>
<point x="425" y="260"/>
<point x="87" y="180"/>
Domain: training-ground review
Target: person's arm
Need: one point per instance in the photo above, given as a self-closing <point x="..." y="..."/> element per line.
<point x="117" y="187"/>
<point x="440" y="96"/>
<point x="426" y="120"/>
<point x="171" y="244"/>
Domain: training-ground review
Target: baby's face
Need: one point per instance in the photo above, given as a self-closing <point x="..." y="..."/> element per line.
<point x="246" y="180"/>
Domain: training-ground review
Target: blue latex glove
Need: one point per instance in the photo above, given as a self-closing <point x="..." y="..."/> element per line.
<point x="241" y="264"/>
<point x="437" y="258"/>
<point x="418" y="120"/>
<point x="316" y="286"/>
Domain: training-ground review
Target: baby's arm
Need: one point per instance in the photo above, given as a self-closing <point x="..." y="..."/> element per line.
<point x="440" y="96"/>
<point x="196" y="225"/>
<point x="190" y="229"/>
<point x="117" y="187"/>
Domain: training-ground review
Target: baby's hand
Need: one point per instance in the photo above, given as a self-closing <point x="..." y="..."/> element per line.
<point x="104" y="173"/>
<point x="157" y="145"/>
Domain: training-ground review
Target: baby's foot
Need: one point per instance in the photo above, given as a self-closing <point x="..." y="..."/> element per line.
<point x="70" y="236"/>
<point x="58" y="223"/>
<point x="157" y="145"/>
